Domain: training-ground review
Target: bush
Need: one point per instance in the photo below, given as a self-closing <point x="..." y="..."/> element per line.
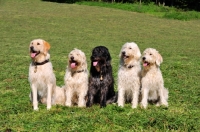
<point x="63" y="1"/>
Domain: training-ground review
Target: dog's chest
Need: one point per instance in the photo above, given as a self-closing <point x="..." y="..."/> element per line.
<point x="152" y="79"/>
<point x="43" y="75"/>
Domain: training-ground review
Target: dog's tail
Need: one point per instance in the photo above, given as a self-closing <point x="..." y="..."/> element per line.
<point x="113" y="99"/>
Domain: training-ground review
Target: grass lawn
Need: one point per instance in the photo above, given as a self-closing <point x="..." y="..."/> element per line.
<point x="68" y="26"/>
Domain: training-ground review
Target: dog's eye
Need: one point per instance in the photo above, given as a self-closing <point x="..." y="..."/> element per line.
<point x="150" y="54"/>
<point x="38" y="43"/>
<point x="130" y="48"/>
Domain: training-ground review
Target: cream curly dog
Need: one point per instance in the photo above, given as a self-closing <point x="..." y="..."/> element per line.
<point x="76" y="79"/>
<point x="152" y="81"/>
<point x="41" y="77"/>
<point x="129" y="74"/>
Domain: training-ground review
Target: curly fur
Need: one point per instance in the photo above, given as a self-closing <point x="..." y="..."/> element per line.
<point x="76" y="79"/>
<point x="153" y="89"/>
<point x="129" y="74"/>
<point x="101" y="82"/>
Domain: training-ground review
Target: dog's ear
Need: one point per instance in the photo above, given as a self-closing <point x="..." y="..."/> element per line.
<point x="46" y="47"/>
<point x="159" y="59"/>
<point x="84" y="60"/>
<point x="138" y="54"/>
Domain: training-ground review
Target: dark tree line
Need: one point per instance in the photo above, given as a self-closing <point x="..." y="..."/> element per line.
<point x="183" y="4"/>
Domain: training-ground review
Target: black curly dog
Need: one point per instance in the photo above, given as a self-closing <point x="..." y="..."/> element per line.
<point x="101" y="82"/>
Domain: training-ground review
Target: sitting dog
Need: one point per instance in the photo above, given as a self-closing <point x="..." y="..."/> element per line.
<point x="152" y="81"/>
<point x="76" y="79"/>
<point x="101" y="82"/>
<point x="41" y="77"/>
<point x="129" y="74"/>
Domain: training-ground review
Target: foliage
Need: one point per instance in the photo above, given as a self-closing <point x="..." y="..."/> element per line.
<point x="68" y="26"/>
<point x="151" y="8"/>
<point x="183" y="4"/>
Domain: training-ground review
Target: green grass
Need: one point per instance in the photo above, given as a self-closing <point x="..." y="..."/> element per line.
<point x="68" y="26"/>
<point x="151" y="8"/>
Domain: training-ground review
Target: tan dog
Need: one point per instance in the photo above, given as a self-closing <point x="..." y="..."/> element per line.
<point x="76" y="79"/>
<point x="41" y="77"/>
<point x="129" y="75"/>
<point x="152" y="81"/>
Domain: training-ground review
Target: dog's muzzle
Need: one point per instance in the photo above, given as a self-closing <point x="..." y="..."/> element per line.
<point x="33" y="53"/>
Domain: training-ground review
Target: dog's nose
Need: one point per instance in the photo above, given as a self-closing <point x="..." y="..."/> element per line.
<point x="144" y="58"/>
<point x="123" y="53"/>
<point x="32" y="48"/>
<point x="72" y="57"/>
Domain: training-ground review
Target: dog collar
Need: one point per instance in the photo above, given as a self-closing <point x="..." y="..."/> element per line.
<point x="131" y="66"/>
<point x="77" y="72"/>
<point x="39" y="63"/>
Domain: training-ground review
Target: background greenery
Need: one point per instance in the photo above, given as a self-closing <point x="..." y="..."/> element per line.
<point x="183" y="4"/>
<point x="68" y="26"/>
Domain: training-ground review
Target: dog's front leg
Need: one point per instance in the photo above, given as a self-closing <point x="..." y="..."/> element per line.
<point x="145" y="92"/>
<point x="34" y="96"/>
<point x="68" y="94"/>
<point x="103" y="97"/>
<point x="90" y="100"/>
<point x="135" y="97"/>
<point x="121" y="97"/>
<point x="49" y="94"/>
<point x="81" y="100"/>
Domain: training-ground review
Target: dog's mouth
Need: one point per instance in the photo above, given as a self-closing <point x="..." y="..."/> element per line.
<point x="73" y="64"/>
<point x="33" y="53"/>
<point x="95" y="63"/>
<point x="145" y="63"/>
<point x="124" y="56"/>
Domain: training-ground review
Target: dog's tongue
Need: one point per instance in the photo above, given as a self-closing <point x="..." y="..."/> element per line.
<point x="73" y="65"/>
<point x="95" y="63"/>
<point x="33" y="55"/>
<point x="145" y="64"/>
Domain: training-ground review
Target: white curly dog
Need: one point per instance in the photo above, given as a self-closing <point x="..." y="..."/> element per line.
<point x="76" y="79"/>
<point x="152" y="81"/>
<point x="129" y="74"/>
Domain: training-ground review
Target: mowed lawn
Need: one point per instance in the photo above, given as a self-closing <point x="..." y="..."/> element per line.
<point x="68" y="26"/>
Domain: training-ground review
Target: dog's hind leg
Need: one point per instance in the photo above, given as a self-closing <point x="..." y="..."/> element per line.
<point x="163" y="96"/>
<point x="103" y="97"/>
<point x="113" y="99"/>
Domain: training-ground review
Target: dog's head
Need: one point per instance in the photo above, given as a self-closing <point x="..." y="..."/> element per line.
<point x="151" y="57"/>
<point x="100" y="57"/>
<point x="129" y="53"/>
<point x="39" y="48"/>
<point x="77" y="60"/>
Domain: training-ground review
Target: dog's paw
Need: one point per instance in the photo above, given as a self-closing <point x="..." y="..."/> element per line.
<point x="68" y="104"/>
<point x="49" y="107"/>
<point x="158" y="104"/>
<point x="165" y="104"/>
<point x="143" y="105"/>
<point x="35" y="108"/>
<point x="133" y="106"/>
